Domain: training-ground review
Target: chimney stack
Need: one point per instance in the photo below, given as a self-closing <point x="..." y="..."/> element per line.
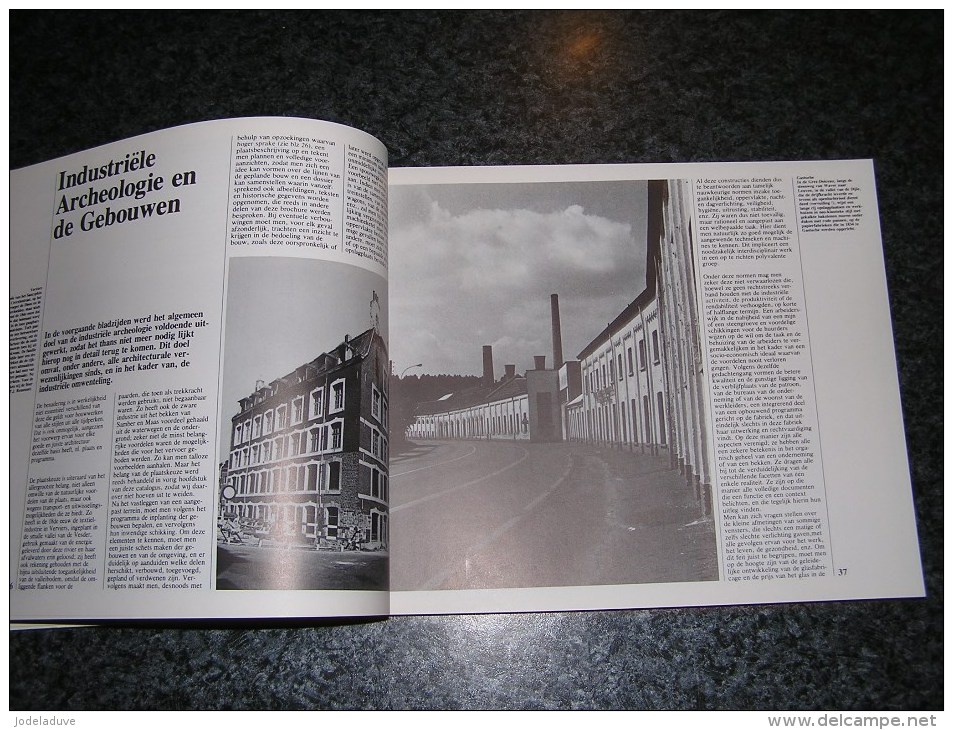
<point x="488" y="378"/>
<point x="557" y="333"/>
<point x="539" y="362"/>
<point x="510" y="372"/>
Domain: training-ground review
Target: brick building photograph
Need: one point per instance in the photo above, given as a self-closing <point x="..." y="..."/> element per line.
<point x="304" y="484"/>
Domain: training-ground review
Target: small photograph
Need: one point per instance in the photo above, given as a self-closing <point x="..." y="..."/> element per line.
<point x="303" y="481"/>
<point x="549" y="398"/>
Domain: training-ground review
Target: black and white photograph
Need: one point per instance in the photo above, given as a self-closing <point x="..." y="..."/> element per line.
<point x="549" y="402"/>
<point x="303" y="481"/>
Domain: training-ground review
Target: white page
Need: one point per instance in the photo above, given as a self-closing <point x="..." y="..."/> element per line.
<point x="501" y="510"/>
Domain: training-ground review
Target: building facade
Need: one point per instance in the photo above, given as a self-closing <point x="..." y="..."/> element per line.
<point x="309" y="450"/>
<point x="497" y="411"/>
<point x="640" y="383"/>
<point x="643" y="380"/>
<point x="524" y="407"/>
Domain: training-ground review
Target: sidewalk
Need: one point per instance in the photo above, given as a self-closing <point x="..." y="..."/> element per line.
<point x="246" y="567"/>
<point x="654" y="515"/>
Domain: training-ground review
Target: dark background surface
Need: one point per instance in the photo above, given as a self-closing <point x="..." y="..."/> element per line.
<point x="521" y="87"/>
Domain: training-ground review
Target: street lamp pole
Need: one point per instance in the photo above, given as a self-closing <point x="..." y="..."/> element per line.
<point x="405" y="400"/>
<point x="418" y="365"/>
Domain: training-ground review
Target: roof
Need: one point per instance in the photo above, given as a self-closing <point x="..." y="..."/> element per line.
<point x="657" y="192"/>
<point x="479" y="395"/>
<point x="327" y="362"/>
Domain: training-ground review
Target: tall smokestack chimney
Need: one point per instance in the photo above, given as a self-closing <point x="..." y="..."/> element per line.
<point x="557" y="333"/>
<point x="488" y="378"/>
<point x="539" y="362"/>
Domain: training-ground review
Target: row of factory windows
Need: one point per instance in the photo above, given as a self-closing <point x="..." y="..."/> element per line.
<point x="600" y="377"/>
<point x="463" y="426"/>
<point x="317" y="440"/>
<point x="378" y="406"/>
<point x="616" y="421"/>
<point x="323" y="477"/>
<point x="378" y="445"/>
<point x="313" y="477"/>
<point x="504" y="418"/>
<point x="290" y="414"/>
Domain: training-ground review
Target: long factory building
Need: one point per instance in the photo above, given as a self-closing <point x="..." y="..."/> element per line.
<point x="639" y="384"/>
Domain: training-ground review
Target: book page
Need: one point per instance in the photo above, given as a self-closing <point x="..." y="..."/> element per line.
<point x="199" y="376"/>
<point x="643" y="385"/>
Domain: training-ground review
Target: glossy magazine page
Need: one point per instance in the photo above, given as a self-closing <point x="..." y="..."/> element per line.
<point x="643" y="385"/>
<point x="199" y="376"/>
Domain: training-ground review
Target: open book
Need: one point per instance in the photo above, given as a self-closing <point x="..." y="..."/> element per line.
<point x="255" y="373"/>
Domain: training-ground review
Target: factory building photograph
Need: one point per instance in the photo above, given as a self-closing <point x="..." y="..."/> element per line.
<point x="557" y="458"/>
<point x="517" y="407"/>
<point x="642" y="376"/>
<point x="306" y="476"/>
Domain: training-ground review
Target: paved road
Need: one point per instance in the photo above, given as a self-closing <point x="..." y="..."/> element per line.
<point x="503" y="514"/>
<point x="248" y="567"/>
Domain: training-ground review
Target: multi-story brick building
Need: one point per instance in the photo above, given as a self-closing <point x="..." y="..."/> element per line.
<point x="309" y="450"/>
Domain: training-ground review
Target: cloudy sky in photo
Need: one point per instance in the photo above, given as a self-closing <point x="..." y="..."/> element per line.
<point x="475" y="264"/>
